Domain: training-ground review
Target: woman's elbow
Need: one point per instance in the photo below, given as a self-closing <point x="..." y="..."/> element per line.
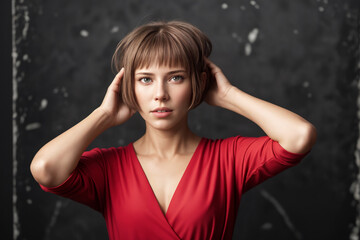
<point x="306" y="138"/>
<point x="39" y="169"/>
<point x="301" y="139"/>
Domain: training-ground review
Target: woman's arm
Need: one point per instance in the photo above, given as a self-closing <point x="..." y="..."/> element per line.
<point x="293" y="132"/>
<point x="55" y="161"/>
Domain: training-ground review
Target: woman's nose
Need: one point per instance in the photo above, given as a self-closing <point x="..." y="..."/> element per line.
<point x="161" y="93"/>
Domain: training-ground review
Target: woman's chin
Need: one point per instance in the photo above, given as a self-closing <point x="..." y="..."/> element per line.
<point x="164" y="125"/>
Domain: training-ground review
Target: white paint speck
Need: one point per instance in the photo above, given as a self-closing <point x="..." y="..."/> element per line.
<point x="242" y="7"/>
<point x="247" y="49"/>
<point x="32" y="126"/>
<point x="115" y="29"/>
<point x="29" y="201"/>
<point x="296" y="32"/>
<point x="237" y="37"/>
<point x="306" y="84"/>
<point x="28" y="188"/>
<point x="84" y="33"/>
<point x="309" y="95"/>
<point x="64" y="92"/>
<point x="321" y="9"/>
<point x="252" y="2"/>
<point x="27" y="22"/>
<point x="253" y="35"/>
<point x="26" y="58"/>
<point x="266" y="226"/>
<point x="22" y="118"/>
<point x="43" y="104"/>
<point x="121" y="142"/>
<point x="355" y="191"/>
<point x="224" y="6"/>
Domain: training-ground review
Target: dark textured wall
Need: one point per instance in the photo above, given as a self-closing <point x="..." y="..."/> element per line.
<point x="302" y="55"/>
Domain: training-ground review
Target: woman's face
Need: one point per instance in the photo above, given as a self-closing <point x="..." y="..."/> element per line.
<point x="163" y="94"/>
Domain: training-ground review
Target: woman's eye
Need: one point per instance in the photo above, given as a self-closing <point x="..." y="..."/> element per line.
<point x="145" y="80"/>
<point x="177" y="78"/>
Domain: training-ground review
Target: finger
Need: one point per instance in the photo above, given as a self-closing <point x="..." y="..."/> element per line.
<point x="209" y="62"/>
<point x="117" y="80"/>
<point x="214" y="69"/>
<point x="212" y="66"/>
<point x="119" y="76"/>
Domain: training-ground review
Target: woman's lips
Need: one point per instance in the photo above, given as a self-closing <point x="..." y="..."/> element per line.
<point x="161" y="112"/>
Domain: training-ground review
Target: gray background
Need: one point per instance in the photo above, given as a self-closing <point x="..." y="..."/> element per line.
<point x="302" y="55"/>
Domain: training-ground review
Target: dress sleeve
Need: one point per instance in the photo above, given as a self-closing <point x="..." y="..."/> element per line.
<point x="86" y="184"/>
<point x="260" y="158"/>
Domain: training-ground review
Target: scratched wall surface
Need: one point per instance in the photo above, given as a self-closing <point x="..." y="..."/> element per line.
<point x="302" y="55"/>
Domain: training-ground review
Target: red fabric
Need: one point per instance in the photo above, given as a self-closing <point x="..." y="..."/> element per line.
<point x="205" y="203"/>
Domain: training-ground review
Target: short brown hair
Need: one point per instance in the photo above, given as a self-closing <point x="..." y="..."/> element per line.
<point x="173" y="43"/>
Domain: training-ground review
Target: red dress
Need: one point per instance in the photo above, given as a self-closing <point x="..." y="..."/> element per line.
<point x="205" y="202"/>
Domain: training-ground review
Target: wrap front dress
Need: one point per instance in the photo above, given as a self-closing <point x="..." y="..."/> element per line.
<point x="205" y="202"/>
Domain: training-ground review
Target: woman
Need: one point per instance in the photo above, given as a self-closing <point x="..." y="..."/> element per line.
<point x="170" y="183"/>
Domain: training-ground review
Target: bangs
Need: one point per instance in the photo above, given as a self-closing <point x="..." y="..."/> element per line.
<point x="163" y="50"/>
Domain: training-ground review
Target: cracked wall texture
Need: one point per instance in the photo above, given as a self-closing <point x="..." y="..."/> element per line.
<point x="302" y="55"/>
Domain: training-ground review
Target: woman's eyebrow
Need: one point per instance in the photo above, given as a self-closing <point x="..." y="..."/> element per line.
<point x="177" y="71"/>
<point x="144" y="73"/>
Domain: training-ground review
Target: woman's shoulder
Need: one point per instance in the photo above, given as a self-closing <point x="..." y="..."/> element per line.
<point x="233" y="141"/>
<point x="114" y="152"/>
<point x="222" y="140"/>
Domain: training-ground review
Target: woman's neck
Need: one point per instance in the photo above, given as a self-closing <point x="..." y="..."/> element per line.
<point x="167" y="144"/>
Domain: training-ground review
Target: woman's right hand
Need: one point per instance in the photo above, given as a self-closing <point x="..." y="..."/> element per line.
<point x="113" y="106"/>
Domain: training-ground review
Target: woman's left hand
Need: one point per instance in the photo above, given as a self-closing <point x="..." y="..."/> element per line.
<point x="220" y="87"/>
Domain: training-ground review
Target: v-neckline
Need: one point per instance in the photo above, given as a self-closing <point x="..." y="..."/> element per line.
<point x="187" y="169"/>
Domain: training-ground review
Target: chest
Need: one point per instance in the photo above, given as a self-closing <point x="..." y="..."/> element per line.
<point x="189" y="198"/>
<point x="164" y="177"/>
